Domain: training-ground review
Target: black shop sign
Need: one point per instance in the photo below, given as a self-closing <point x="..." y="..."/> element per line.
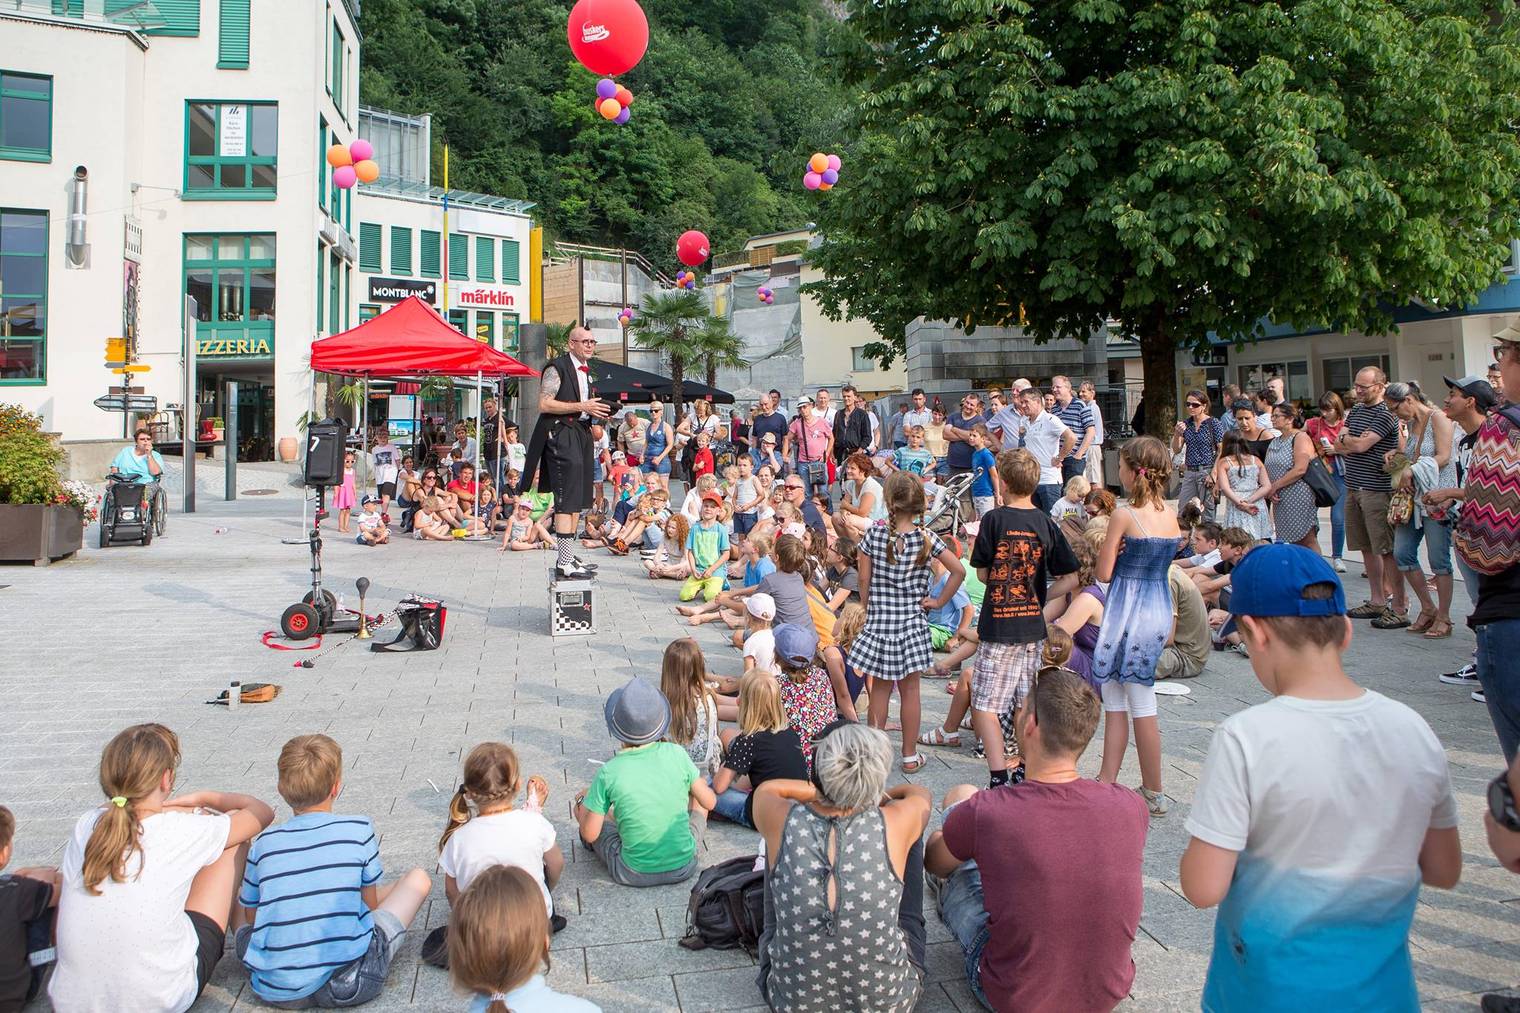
<point x="397" y="289"/>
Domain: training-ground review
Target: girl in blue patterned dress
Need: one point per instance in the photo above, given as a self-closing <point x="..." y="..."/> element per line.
<point x="1137" y="617"/>
<point x="894" y="647"/>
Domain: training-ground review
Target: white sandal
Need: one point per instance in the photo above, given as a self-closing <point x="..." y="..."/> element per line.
<point x="913" y="764"/>
<point x="937" y="736"/>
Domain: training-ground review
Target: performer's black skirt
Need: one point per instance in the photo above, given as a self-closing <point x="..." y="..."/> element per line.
<point x="568" y="459"/>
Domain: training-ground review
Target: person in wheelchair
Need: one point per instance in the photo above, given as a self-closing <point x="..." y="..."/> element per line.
<point x="140" y="461"/>
<point x="138" y="515"/>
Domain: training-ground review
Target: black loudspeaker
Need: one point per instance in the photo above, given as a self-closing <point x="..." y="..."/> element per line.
<point x="324" y="452"/>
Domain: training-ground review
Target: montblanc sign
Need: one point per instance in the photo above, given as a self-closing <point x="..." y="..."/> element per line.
<point x="397" y="289"/>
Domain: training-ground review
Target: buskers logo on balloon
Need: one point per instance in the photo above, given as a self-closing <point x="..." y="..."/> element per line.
<point x="594" y="33"/>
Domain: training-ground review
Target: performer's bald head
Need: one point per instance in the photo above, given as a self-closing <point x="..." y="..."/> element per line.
<point x="581" y="340"/>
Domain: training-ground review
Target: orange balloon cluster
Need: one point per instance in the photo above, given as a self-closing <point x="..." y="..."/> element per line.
<point x="353" y="163"/>
<point x="613" y="100"/>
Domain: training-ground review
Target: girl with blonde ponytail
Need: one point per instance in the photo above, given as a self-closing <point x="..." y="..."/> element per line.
<point x="148" y="882"/>
<point x="487" y="830"/>
<point x="499" y="947"/>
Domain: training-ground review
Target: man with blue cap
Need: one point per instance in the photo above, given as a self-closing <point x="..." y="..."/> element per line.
<point x="1319" y="813"/>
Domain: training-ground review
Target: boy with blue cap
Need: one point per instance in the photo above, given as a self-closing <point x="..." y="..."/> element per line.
<point x="1319" y="812"/>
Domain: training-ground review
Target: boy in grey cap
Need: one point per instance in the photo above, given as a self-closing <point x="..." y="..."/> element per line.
<point x="661" y="801"/>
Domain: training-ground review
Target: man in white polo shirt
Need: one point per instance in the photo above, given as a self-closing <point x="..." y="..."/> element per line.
<point x="1049" y="440"/>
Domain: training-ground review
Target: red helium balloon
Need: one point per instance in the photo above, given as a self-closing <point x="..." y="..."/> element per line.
<point x="624" y="96"/>
<point x="608" y="36"/>
<point x="691" y="248"/>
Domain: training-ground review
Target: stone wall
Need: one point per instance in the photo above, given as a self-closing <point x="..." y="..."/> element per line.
<point x="944" y="360"/>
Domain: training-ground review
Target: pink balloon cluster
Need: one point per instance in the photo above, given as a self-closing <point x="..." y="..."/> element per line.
<point x="626" y="316"/>
<point x="765" y="295"/>
<point x="686" y="279"/>
<point x="353" y="163"/>
<point x="612" y="101"/>
<point x="822" y="172"/>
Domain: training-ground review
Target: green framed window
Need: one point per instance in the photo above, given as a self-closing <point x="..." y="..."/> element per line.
<point x="460" y="320"/>
<point x="348" y="295"/>
<point x="335" y="66"/>
<point x="232" y="35"/>
<point x="334" y="293"/>
<point x="367" y="312"/>
<point x="369" y="247"/>
<point x="321" y="282"/>
<point x="232" y="277"/>
<point x="324" y="171"/>
<point x="509" y="325"/>
<point x="26" y="117"/>
<point x="401" y="250"/>
<point x="485" y="258"/>
<point x="23" y="296"/>
<point x="428" y="254"/>
<point x="230" y="150"/>
<point x="485" y="327"/>
<point x="459" y="258"/>
<point x="511" y="258"/>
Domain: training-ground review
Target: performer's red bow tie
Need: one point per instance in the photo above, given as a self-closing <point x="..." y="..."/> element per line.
<point x="584" y="369"/>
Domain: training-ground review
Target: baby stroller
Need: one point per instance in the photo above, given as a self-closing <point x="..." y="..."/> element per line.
<point x="944" y="516"/>
<point x="132" y="511"/>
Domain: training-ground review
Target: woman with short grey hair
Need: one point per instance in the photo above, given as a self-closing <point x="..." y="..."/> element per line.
<point x="852" y="938"/>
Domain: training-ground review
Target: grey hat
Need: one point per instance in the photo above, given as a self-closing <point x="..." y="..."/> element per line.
<point x="1477" y="388"/>
<point x="637" y="713"/>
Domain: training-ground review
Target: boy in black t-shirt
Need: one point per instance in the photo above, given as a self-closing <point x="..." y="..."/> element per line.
<point x="27" y="901"/>
<point x="1018" y="547"/>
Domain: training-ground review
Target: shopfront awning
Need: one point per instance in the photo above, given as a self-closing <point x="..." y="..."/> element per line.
<point x="410" y="339"/>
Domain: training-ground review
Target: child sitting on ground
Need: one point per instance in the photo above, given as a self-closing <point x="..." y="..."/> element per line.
<point x="706" y="552"/>
<point x="660" y="801"/>
<point x="759" y="638"/>
<point x="499" y="946"/>
<point x="650" y="512"/>
<point x="1318" y="813"/>
<point x="595" y="534"/>
<point x="1073" y="498"/>
<point x="669" y="559"/>
<point x="372" y="529"/>
<point x="729" y="605"/>
<point x="1205" y="542"/>
<point x="764" y="747"/>
<point x="691" y="506"/>
<point x="428" y="524"/>
<point x="321" y="868"/>
<point x="498" y="834"/>
<point x="1234" y="543"/>
<point x="806" y="693"/>
<point x="693" y="705"/>
<point x="523" y="533"/>
<point x="149" y="882"/>
<point x="841" y="577"/>
<point x="954" y="621"/>
<point x="27" y="899"/>
<point x="847" y="626"/>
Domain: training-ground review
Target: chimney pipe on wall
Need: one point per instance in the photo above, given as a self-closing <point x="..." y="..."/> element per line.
<point x="77" y="247"/>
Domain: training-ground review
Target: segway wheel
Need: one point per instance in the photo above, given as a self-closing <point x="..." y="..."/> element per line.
<point x="299" y="621"/>
<point x="160" y="511"/>
<point x="105" y="533"/>
<point x="329" y="601"/>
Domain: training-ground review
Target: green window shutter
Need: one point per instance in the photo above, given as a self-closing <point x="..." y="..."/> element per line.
<point x="511" y="256"/>
<point x="485" y="258"/>
<point x="459" y="258"/>
<point x="369" y="247"/>
<point x="401" y="250"/>
<point x="321" y="281"/>
<point x="232" y="51"/>
<point x="181" y="17"/>
<point x="428" y="254"/>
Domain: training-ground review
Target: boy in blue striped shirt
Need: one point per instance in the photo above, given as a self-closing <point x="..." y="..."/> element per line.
<point x="322" y="930"/>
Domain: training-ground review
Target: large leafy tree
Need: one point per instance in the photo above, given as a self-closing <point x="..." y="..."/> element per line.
<point x="668" y="323"/>
<point x="1183" y="167"/>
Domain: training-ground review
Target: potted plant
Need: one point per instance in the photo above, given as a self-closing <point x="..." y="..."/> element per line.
<point x="218" y="427"/>
<point x="40" y="520"/>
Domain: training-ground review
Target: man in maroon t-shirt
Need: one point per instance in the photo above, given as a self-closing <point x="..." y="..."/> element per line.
<point x="1040" y="882"/>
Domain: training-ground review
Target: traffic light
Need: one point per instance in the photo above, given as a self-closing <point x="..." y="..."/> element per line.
<point x="116" y="351"/>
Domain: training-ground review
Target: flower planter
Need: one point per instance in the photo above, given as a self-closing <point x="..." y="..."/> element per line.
<point x="288" y="449"/>
<point x="39" y="533"/>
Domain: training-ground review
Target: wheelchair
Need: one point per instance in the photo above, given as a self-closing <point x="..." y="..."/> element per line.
<point x="132" y="511"/>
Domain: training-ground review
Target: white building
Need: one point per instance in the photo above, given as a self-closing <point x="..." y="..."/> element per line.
<point x="154" y="149"/>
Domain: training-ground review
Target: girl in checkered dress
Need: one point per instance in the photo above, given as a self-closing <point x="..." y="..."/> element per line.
<point x="894" y="570"/>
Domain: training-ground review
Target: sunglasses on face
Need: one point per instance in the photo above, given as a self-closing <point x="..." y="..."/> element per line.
<point x="1194" y="404"/>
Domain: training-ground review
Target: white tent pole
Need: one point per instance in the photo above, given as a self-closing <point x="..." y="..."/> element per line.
<point x="477" y="440"/>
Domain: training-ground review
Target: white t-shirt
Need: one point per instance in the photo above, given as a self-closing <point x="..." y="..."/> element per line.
<point x="1328" y="803"/>
<point x="1097" y="414"/>
<point x="516" y="837"/>
<point x="132" y="947"/>
<point x="517" y="456"/>
<point x="1042" y="438"/>
<point x="385" y="460"/>
<point x="691" y="506"/>
<point x="1204" y="559"/>
<point x="875" y="429"/>
<point x="761" y="646"/>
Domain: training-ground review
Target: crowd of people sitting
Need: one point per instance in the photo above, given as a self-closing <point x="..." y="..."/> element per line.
<point x="1054" y="605"/>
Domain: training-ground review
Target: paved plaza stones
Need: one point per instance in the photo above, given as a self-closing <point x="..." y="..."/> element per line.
<point x="130" y="634"/>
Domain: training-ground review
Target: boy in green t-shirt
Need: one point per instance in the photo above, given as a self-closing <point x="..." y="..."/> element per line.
<point x="706" y="552"/>
<point x="660" y="801"/>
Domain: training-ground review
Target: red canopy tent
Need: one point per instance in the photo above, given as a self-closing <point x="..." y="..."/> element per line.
<point x="411" y="339"/>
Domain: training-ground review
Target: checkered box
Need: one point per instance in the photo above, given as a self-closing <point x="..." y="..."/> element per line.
<point x="572" y="608"/>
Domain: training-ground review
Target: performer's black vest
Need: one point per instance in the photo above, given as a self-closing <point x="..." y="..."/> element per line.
<point x="569" y="390"/>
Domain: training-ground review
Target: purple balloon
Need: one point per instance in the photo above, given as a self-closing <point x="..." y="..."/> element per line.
<point x="606" y="88"/>
<point x="831" y="176"/>
<point x="622" y="117"/>
<point x="834" y="162"/>
<point x="811" y="180"/>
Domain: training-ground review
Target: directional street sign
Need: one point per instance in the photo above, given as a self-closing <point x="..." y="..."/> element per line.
<point x="136" y="367"/>
<point x="112" y="403"/>
<point x="127" y="403"/>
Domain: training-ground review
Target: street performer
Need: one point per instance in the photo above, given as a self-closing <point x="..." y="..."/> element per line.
<point x="560" y="454"/>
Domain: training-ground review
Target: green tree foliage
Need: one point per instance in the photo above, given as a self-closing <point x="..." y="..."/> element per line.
<point x="729" y="101"/>
<point x="1185" y="167"/>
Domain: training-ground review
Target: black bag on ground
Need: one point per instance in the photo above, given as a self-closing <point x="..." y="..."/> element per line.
<point x="727" y="907"/>
<point x="421" y="621"/>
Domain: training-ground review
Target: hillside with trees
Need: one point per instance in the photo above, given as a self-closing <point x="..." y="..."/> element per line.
<point x="729" y="101"/>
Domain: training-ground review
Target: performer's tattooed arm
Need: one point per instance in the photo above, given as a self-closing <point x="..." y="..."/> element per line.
<point x="548" y="400"/>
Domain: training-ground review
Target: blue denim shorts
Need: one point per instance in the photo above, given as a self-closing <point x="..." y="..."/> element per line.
<point x="962" y="911"/>
<point x="356" y="982"/>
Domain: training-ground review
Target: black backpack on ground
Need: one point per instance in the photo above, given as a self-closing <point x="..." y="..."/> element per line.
<point x="727" y="907"/>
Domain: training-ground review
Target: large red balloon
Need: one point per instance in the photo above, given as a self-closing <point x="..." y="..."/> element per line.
<point x="608" y="36"/>
<point x="691" y="248"/>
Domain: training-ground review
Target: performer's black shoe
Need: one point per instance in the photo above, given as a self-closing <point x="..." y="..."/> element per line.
<point x="574" y="572"/>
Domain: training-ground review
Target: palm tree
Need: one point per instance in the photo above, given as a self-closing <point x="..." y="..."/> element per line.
<point x="668" y="324"/>
<point x="557" y="339"/>
<point x="719" y="347"/>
